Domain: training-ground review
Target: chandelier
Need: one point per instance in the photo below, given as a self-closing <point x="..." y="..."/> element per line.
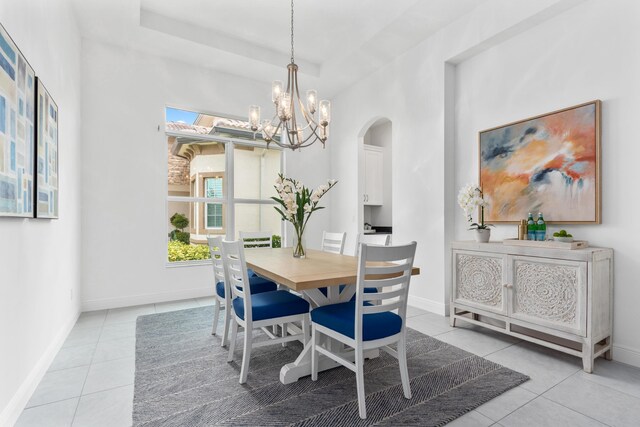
<point x="299" y="124"/>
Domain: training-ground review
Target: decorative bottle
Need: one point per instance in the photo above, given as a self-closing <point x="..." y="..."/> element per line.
<point x="531" y="228"/>
<point x="541" y="229"/>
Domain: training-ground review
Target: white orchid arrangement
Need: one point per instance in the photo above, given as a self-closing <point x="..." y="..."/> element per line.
<point x="470" y="198"/>
<point x="297" y="202"/>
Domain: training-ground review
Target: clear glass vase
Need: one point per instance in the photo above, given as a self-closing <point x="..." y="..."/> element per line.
<point x="299" y="250"/>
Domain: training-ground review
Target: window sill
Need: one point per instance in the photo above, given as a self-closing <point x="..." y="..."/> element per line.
<point x="194" y="263"/>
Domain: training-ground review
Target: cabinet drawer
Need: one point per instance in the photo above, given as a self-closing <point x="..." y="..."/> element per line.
<point x="478" y="280"/>
<point x="551" y="293"/>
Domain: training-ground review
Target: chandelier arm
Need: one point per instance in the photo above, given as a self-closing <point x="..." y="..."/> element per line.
<point x="308" y="117"/>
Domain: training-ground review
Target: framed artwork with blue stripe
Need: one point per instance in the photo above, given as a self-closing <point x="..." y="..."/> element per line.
<point x="17" y="134"/>
<point x="47" y="177"/>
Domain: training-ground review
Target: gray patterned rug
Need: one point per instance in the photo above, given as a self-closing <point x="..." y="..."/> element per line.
<point x="182" y="379"/>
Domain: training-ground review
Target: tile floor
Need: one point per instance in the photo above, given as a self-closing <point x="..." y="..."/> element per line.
<point x="90" y="382"/>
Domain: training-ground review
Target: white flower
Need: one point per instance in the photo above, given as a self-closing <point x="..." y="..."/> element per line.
<point x="470" y="199"/>
<point x="279" y="180"/>
<point x="322" y="189"/>
<point x="307" y="208"/>
<point x="298" y="187"/>
<point x="332" y="182"/>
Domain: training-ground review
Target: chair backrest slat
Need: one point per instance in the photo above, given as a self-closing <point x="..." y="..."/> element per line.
<point x="215" y="243"/>
<point x="256" y="239"/>
<point x="382" y="271"/>
<point x="236" y="274"/>
<point x="372" y="239"/>
<point x="371" y="309"/>
<point x="375" y="265"/>
<point x="333" y="242"/>
<point x="383" y="295"/>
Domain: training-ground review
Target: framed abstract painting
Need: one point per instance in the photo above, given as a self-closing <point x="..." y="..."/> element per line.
<point x="47" y="179"/>
<point x="17" y="134"/>
<point x="548" y="163"/>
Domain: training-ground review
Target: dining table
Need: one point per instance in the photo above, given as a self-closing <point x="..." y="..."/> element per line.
<point x="305" y="276"/>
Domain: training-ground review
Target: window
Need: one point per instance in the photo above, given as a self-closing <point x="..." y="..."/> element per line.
<point x="213" y="189"/>
<point x="220" y="178"/>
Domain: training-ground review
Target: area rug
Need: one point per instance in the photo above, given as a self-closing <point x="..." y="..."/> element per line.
<point x="183" y="379"/>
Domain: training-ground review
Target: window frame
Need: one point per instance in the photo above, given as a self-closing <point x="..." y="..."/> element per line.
<point x="228" y="201"/>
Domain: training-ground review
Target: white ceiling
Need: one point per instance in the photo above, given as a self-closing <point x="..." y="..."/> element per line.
<point x="336" y="41"/>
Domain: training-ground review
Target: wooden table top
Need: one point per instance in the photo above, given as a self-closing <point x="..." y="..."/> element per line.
<point x="318" y="269"/>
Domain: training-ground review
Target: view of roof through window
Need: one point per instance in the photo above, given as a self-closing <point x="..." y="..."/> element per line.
<point x="204" y="124"/>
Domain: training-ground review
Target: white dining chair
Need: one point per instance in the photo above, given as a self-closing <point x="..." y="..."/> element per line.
<point x="333" y="242"/>
<point x="222" y="295"/>
<point x="372" y="239"/>
<point x="363" y="326"/>
<point x="258" y="311"/>
<point x="256" y="239"/>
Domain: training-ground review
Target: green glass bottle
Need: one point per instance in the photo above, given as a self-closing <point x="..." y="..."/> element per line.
<point x="541" y="229"/>
<point x="531" y="228"/>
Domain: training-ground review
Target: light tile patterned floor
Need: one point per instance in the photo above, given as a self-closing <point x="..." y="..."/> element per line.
<point x="90" y="382"/>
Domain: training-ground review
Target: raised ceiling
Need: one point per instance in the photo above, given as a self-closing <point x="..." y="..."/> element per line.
<point x="336" y="41"/>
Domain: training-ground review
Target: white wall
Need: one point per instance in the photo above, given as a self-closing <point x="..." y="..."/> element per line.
<point x="590" y="52"/>
<point x="40" y="259"/>
<point x="412" y="91"/>
<point x="125" y="170"/>
<point x="504" y="61"/>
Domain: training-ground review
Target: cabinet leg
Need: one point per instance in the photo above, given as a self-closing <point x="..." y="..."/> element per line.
<point x="587" y="357"/>
<point x="452" y="321"/>
<point x="608" y="355"/>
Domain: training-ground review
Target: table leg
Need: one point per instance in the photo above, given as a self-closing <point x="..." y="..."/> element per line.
<point x="301" y="367"/>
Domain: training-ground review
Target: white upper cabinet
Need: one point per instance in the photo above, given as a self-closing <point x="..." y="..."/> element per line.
<point x="373" y="175"/>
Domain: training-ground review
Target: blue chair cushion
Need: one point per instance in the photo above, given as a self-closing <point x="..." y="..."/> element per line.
<point x="270" y="305"/>
<point x="257" y="285"/>
<point x="341" y="318"/>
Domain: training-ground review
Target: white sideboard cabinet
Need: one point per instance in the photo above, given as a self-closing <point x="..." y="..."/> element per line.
<point x="561" y="299"/>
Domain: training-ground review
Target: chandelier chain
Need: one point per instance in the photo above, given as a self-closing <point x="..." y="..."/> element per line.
<point x="292" y="61"/>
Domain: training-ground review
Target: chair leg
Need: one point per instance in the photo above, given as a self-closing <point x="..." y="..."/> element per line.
<point x="232" y="343"/>
<point x="216" y="315"/>
<point x="314" y="353"/>
<point x="246" y="355"/>
<point x="404" y="371"/>
<point x="284" y="333"/>
<point x="225" y="327"/>
<point x="305" y="331"/>
<point x="362" y="406"/>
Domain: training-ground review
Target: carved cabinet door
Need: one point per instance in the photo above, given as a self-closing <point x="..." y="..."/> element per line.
<point x="549" y="292"/>
<point x="478" y="280"/>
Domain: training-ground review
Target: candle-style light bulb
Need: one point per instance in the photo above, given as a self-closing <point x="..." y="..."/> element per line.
<point x="276" y="90"/>
<point x="284" y="107"/>
<point x="312" y="101"/>
<point x="254" y="117"/>
<point x="325" y="112"/>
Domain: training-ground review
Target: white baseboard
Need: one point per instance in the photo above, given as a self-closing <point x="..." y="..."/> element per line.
<point x="427" y="304"/>
<point x="627" y="355"/>
<point x="14" y="408"/>
<point x="127" y="301"/>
